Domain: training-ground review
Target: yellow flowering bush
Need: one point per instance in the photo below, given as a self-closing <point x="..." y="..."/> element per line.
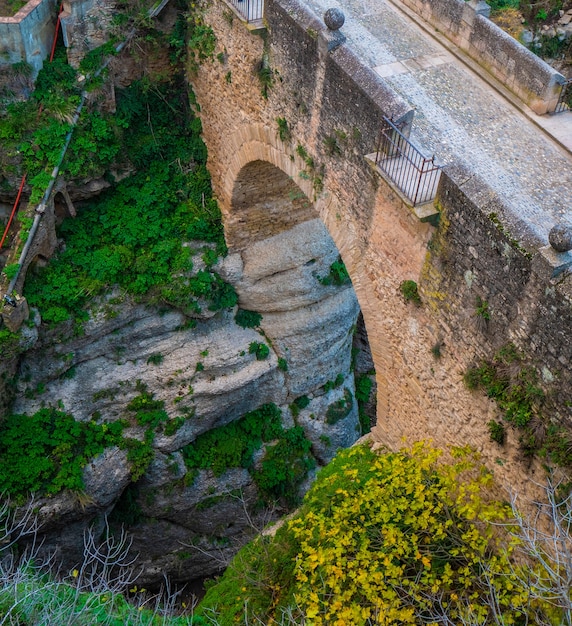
<point x="401" y="539"/>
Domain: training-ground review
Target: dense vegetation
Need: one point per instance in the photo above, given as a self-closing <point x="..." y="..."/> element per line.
<point x="392" y="538"/>
<point x="381" y="538"/>
<point x="516" y="15"/>
<point x="133" y="235"/>
<point x="285" y="463"/>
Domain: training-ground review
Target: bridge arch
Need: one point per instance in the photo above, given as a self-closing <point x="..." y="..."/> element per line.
<point x="262" y="193"/>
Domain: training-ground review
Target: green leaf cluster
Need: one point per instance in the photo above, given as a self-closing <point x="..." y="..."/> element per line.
<point x="247" y="319"/>
<point x="337" y="276"/>
<point x="132" y="235"/>
<point x="260" y="350"/>
<point x="410" y="292"/>
<point x="515" y="387"/>
<point x="340" y="408"/>
<point x="234" y="444"/>
<point x="9" y="344"/>
<point x="285" y="463"/>
<point x="46" y="452"/>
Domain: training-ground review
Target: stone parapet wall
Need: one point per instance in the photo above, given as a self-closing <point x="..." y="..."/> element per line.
<point x="516" y="67"/>
<point x="480" y="254"/>
<point x="28" y="35"/>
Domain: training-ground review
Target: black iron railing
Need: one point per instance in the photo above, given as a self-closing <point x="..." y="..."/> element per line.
<point x="250" y="10"/>
<point x="565" y="99"/>
<point x="414" y="174"/>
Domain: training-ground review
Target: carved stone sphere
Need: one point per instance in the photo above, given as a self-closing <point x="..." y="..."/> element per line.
<point x="560" y="237"/>
<point x="334" y="19"/>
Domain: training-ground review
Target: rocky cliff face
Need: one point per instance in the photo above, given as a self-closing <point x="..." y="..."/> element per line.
<point x="186" y="524"/>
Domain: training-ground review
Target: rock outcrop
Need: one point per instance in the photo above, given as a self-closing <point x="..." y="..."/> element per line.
<point x="207" y="376"/>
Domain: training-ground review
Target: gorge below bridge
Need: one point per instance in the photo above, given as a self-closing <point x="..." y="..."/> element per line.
<point x="292" y="115"/>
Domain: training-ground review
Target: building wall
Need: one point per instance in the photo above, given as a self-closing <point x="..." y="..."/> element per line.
<point x="28" y="35"/>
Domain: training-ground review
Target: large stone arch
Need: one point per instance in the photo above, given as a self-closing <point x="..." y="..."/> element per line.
<point x="260" y="167"/>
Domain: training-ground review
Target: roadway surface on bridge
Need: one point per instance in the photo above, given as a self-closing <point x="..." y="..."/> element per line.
<point x="460" y="117"/>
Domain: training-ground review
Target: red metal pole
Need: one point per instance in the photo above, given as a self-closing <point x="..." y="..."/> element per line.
<point x="13" y="211"/>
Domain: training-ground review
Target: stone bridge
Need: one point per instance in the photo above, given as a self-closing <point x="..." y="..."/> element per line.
<point x="290" y="117"/>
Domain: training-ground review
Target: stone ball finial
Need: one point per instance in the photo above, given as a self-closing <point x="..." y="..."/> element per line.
<point x="560" y="237"/>
<point x="334" y="19"/>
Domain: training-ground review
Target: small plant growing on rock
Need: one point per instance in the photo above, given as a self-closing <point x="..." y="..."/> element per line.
<point x="340" y="409"/>
<point x="11" y="270"/>
<point x="283" y="129"/>
<point x="247" y="319"/>
<point x="300" y="403"/>
<point x="497" y="432"/>
<point x="410" y="292"/>
<point x="332" y="146"/>
<point x="265" y="77"/>
<point x="436" y="349"/>
<point x="338" y="275"/>
<point x="155" y="359"/>
<point x="482" y="313"/>
<point x="260" y="350"/>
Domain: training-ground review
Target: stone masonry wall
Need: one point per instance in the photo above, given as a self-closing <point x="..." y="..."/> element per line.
<point x="516" y="67"/>
<point x="332" y="105"/>
<point x="474" y="257"/>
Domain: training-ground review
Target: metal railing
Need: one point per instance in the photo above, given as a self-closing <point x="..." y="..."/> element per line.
<point x="565" y="99"/>
<point x="250" y="10"/>
<point x="414" y="174"/>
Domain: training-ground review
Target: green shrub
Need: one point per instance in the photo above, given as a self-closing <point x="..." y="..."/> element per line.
<point x="514" y="385"/>
<point x="155" y="359"/>
<point x="260" y="350"/>
<point x="284" y="465"/>
<point x="283" y="129"/>
<point x="247" y="319"/>
<point x="338" y="275"/>
<point x="340" y="409"/>
<point x="399" y="535"/>
<point x="148" y="411"/>
<point x="299" y="403"/>
<point x="108" y="243"/>
<point x="334" y="384"/>
<point x="9" y="344"/>
<point x="282" y="364"/>
<point x="482" y="309"/>
<point x="46" y="452"/>
<point x="234" y="444"/>
<point x="409" y="291"/>
<point x="11" y="270"/>
<point x="497" y="432"/>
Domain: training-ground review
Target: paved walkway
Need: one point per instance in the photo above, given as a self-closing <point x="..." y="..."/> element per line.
<point x="460" y="117"/>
